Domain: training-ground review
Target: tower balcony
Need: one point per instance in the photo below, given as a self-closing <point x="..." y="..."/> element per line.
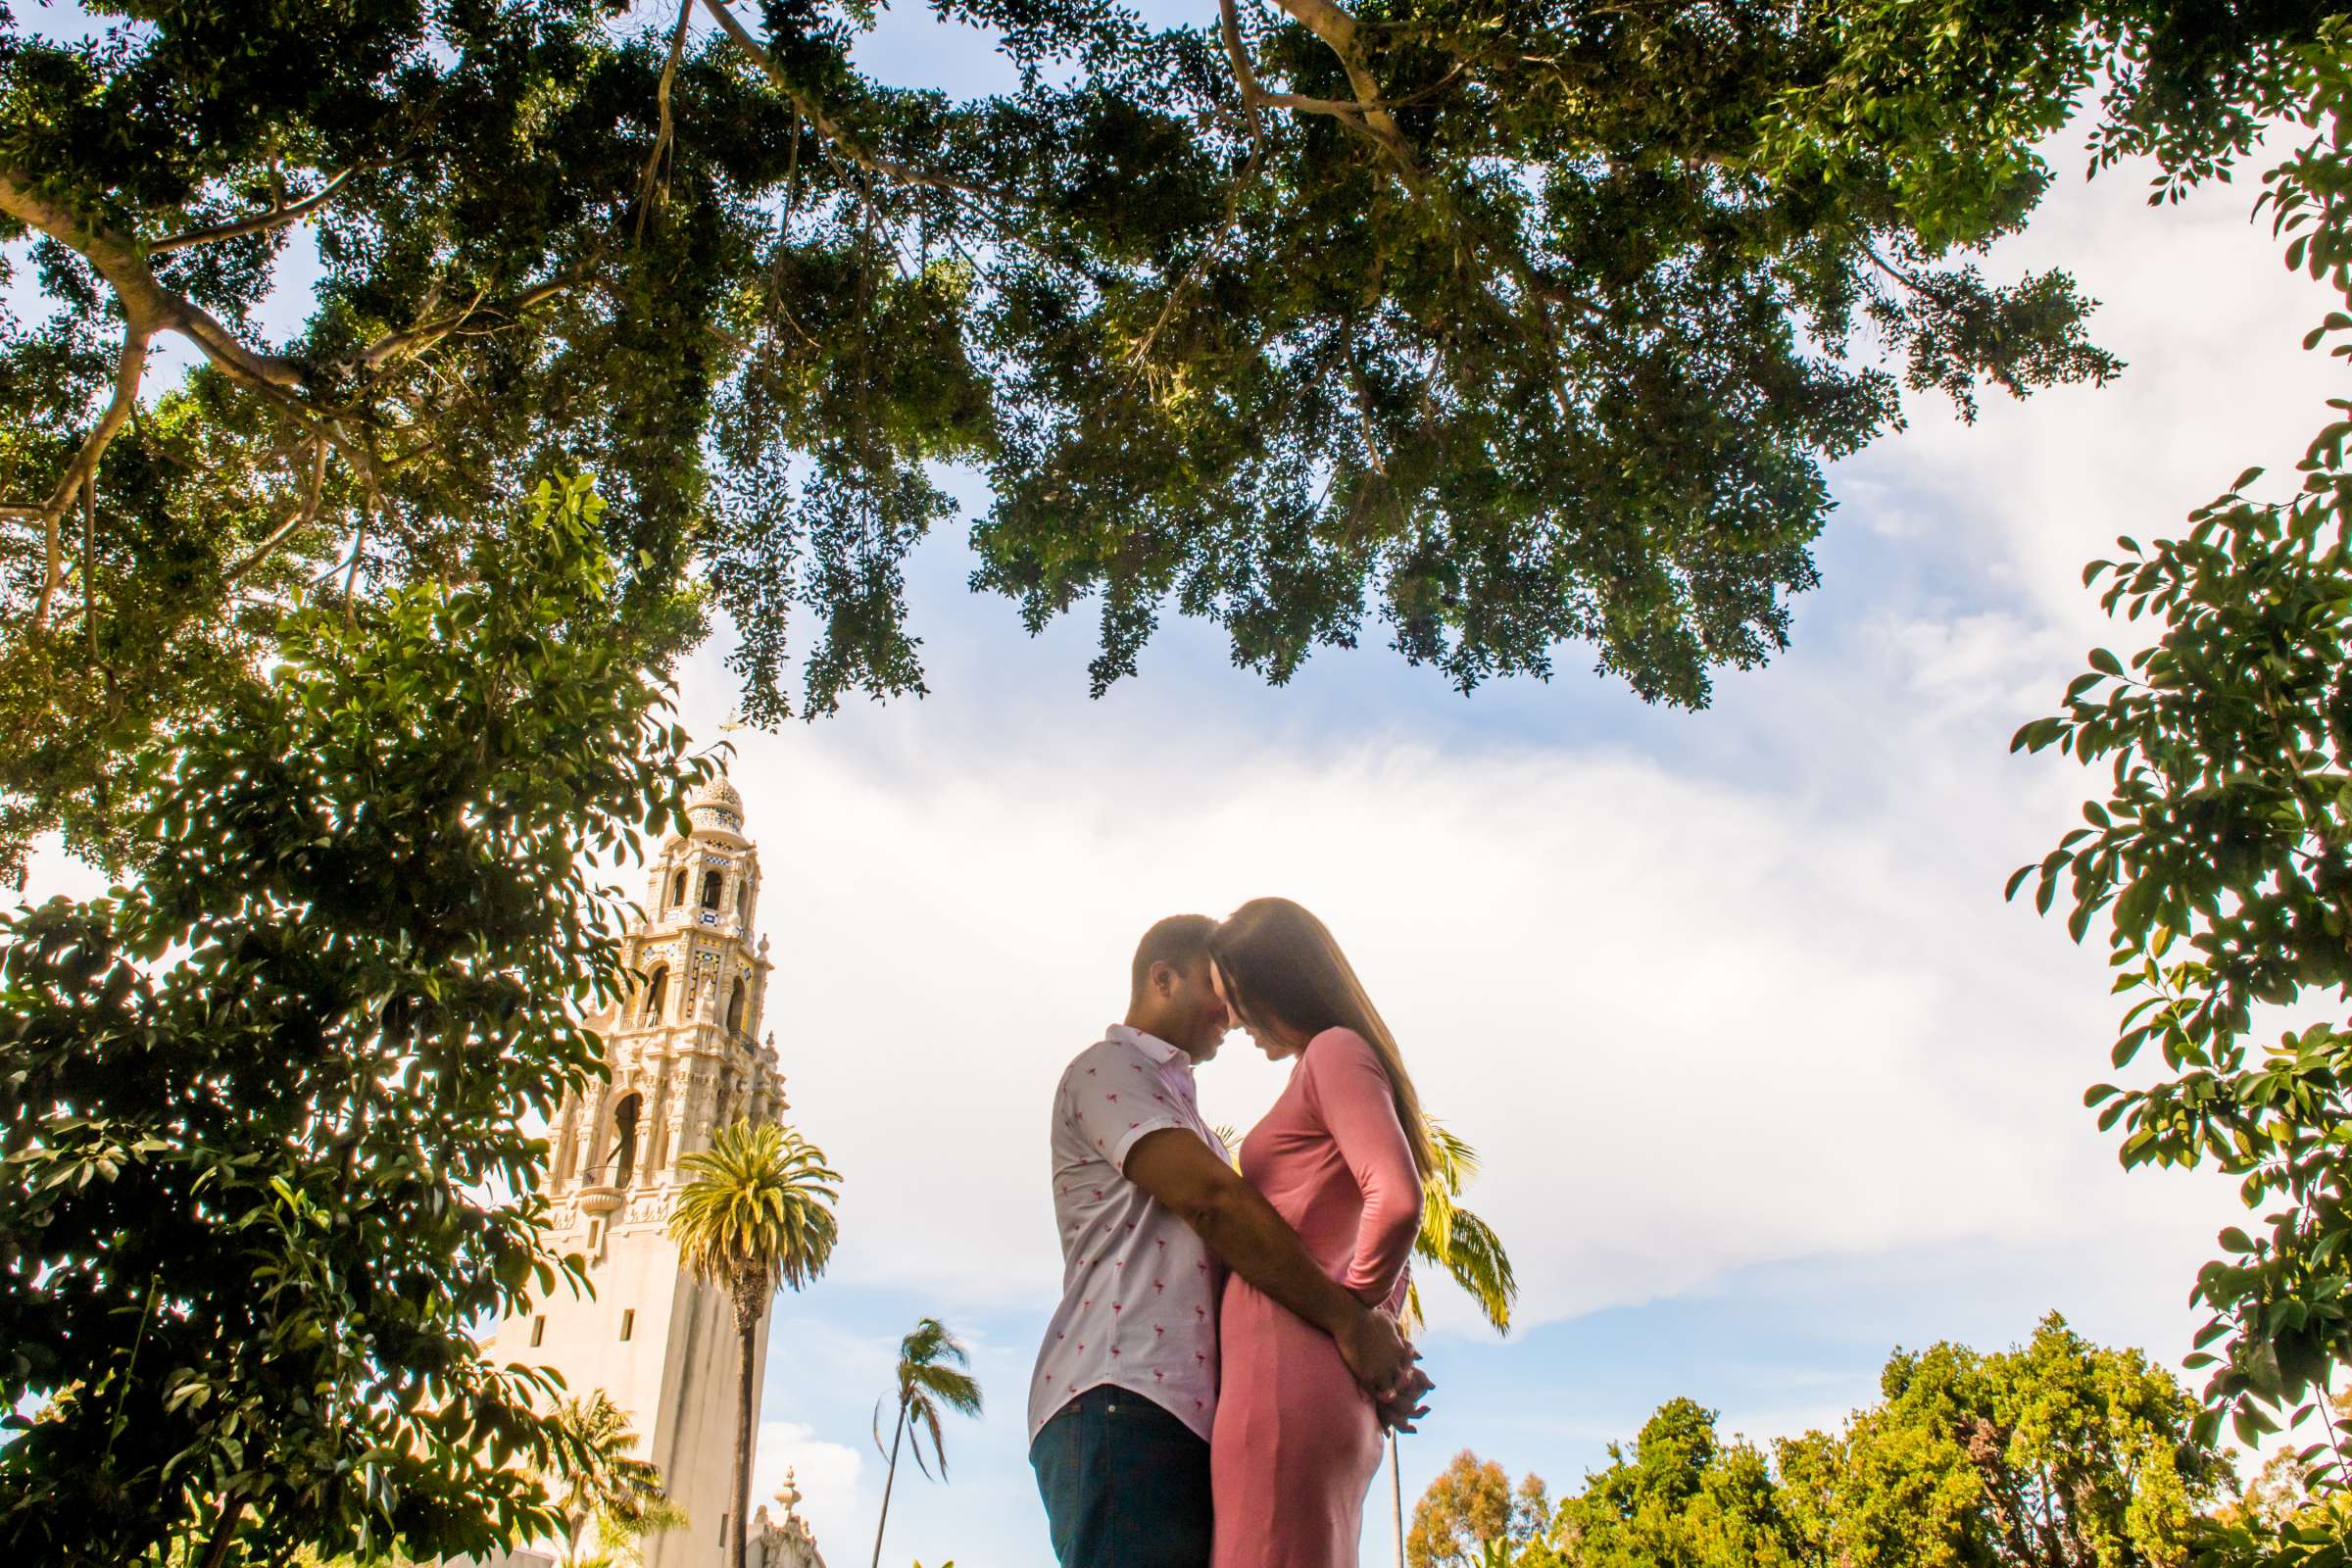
<point x="601" y="1200"/>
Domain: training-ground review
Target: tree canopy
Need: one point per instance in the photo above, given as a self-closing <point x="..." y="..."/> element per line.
<point x="2056" y="1453"/>
<point x="1679" y="1493"/>
<point x="265" y="1115"/>
<point x="1470" y="1517"/>
<point x="1507" y="324"/>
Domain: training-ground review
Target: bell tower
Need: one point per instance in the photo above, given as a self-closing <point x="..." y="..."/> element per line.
<point x="681" y="1060"/>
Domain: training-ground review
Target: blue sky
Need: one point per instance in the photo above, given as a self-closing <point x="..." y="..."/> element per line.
<point x="1768" y="1078"/>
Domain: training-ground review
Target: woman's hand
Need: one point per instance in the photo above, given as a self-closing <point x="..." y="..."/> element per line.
<point x="1401" y="1410"/>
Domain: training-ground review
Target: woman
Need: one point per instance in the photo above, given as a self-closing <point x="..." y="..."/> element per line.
<point x="1340" y="1155"/>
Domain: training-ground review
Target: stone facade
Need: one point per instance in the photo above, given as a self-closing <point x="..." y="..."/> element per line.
<point x="683" y="1059"/>
<point x="786" y="1542"/>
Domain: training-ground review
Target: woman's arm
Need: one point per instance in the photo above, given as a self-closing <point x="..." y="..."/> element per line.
<point x="1350" y="1092"/>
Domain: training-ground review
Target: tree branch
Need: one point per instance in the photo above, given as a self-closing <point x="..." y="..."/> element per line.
<point x="302" y="514"/>
<point x="1338" y="108"/>
<point x="278" y="216"/>
<point x="359" y="548"/>
<point x="661" y="136"/>
<point x="89" y="568"/>
<point x="1908" y="280"/>
<point x="1141" y="354"/>
<point x="413" y="340"/>
<point x="147" y="306"/>
<point x="1336" y="28"/>
<point x="849" y="146"/>
<point x="1244" y="75"/>
<point x="1363" y="407"/>
<point x="129" y="366"/>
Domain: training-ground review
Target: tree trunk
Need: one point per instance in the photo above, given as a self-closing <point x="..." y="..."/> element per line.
<point x="1397" y="1499"/>
<point x="224" y="1533"/>
<point x="889" y="1480"/>
<point x="743" y="1440"/>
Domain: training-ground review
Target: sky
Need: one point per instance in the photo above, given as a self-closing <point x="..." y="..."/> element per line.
<point x="1767" y="1078"/>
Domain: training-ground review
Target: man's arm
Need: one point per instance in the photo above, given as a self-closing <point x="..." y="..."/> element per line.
<point x="1235" y="1219"/>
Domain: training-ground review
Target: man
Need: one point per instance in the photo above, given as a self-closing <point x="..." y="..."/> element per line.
<point x="1147" y="1206"/>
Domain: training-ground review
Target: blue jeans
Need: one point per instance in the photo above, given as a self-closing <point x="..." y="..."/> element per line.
<point x="1125" y="1484"/>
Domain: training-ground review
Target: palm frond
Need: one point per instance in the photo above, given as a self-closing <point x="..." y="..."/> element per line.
<point x="925" y="1413"/>
<point x="959" y="1391"/>
<point x="1456" y="1159"/>
<point x="928" y="1341"/>
<point x="650" y="1518"/>
<point x="600" y="1477"/>
<point x="757" y="1213"/>
<point x="1457" y="1241"/>
<point x="1476" y="1261"/>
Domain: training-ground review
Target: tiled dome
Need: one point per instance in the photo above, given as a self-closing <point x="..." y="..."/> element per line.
<point x="714" y="807"/>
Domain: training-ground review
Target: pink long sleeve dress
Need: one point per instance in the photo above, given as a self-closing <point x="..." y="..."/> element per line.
<point x="1296" y="1444"/>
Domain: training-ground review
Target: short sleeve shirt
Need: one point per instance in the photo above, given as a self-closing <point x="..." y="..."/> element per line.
<point x="1139" y="1288"/>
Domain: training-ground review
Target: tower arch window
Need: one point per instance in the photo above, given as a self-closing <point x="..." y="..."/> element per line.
<point x="657" y="992"/>
<point x="566" y="1140"/>
<point x="735" y="1008"/>
<point x="677" y="888"/>
<point x="743" y="898"/>
<point x="624" y="1140"/>
<point x="710" y="883"/>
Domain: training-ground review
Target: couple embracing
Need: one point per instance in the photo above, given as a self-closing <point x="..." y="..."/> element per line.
<point x="1215" y="1386"/>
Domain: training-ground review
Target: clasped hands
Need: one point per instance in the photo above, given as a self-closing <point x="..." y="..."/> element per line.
<point x="1387" y="1367"/>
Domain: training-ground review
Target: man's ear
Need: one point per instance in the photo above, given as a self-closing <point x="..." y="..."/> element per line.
<point x="1164" y="978"/>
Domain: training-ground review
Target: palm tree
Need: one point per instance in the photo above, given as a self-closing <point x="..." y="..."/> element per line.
<point x="599" y="1480"/>
<point x="926" y="1380"/>
<point x="621" y="1542"/>
<point x="758" y="1214"/>
<point x="1472" y="1256"/>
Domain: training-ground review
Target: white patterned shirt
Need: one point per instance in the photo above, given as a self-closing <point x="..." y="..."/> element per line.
<point x="1139" y="1288"/>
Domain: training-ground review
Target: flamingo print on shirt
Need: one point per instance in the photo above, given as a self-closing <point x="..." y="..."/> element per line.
<point x="1164" y="1345"/>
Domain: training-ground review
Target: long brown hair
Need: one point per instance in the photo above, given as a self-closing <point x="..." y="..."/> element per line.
<point x="1280" y="965"/>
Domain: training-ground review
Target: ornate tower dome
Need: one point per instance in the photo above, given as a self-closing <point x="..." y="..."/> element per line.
<point x="713" y="807"/>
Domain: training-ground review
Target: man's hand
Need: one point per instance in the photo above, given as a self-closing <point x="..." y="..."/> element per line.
<point x="1377" y="1353"/>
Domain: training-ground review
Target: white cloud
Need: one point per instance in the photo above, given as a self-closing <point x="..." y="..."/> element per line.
<point x="1693" y="1023"/>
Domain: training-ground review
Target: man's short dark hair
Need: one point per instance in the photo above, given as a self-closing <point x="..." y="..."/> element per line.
<point x="1180" y="942"/>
